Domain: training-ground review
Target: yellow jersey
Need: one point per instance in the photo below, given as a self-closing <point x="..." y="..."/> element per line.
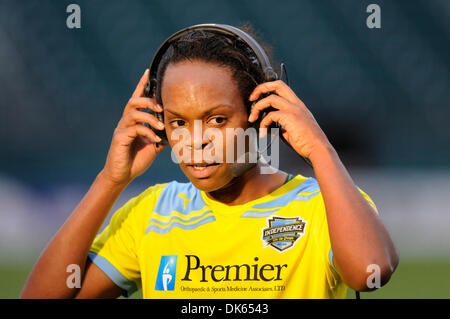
<point x="173" y="241"/>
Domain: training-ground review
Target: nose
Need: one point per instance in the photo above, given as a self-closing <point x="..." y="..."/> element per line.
<point x="201" y="146"/>
<point x="198" y="140"/>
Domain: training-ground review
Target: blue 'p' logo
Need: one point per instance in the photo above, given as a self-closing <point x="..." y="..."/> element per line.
<point x="166" y="273"/>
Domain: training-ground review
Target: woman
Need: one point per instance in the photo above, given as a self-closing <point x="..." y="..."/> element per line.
<point x="223" y="235"/>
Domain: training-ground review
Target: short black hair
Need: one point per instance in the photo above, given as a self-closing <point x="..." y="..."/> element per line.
<point x="219" y="49"/>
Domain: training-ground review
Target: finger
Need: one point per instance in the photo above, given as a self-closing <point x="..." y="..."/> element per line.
<point x="142" y="103"/>
<point x="137" y="117"/>
<point x="268" y="120"/>
<point x="158" y="146"/>
<point x="278" y="87"/>
<point x="272" y="100"/>
<point x="126" y="136"/>
<point x="139" y="91"/>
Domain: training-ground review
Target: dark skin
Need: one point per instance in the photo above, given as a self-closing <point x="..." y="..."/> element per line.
<point x="188" y="95"/>
<point x="192" y="90"/>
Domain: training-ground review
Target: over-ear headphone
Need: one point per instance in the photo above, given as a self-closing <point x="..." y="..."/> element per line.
<point x="223" y="29"/>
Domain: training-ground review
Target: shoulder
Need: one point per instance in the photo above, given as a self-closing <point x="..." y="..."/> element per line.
<point x="310" y="189"/>
<point x="306" y="186"/>
<point x="161" y="198"/>
<point x="164" y="192"/>
<point x="148" y="195"/>
<point x="302" y="189"/>
<point x="183" y="198"/>
<point x="174" y="188"/>
<point x="293" y="196"/>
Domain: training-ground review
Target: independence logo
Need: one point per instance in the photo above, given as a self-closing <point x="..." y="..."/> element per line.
<point x="166" y="273"/>
<point x="283" y="232"/>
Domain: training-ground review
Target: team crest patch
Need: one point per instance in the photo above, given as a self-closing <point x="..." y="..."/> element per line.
<point x="283" y="232"/>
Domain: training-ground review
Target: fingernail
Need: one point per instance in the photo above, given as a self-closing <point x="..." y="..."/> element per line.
<point x="160" y="125"/>
<point x="159" y="107"/>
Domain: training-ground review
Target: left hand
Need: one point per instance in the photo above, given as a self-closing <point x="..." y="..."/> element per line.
<point x="300" y="127"/>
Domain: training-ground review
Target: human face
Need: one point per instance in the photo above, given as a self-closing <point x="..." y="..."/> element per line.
<point x="201" y="91"/>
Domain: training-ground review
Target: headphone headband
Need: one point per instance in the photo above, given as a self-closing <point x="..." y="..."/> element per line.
<point x="261" y="56"/>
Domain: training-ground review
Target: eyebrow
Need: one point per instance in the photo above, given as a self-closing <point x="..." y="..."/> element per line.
<point x="211" y="110"/>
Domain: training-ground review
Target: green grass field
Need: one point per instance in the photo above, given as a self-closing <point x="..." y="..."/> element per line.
<point x="413" y="279"/>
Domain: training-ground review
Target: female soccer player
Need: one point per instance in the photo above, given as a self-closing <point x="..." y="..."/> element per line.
<point x="223" y="235"/>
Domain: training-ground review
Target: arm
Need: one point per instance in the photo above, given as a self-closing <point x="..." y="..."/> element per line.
<point x="71" y="244"/>
<point x="358" y="237"/>
<point x="132" y="151"/>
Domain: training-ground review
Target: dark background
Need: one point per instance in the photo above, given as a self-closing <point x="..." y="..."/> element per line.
<point x="380" y="95"/>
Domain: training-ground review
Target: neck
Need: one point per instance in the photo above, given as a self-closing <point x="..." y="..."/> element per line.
<point x="250" y="186"/>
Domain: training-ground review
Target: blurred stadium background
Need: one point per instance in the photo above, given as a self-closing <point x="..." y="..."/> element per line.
<point x="381" y="95"/>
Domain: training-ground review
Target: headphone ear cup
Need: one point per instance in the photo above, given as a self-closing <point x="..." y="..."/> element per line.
<point x="262" y="114"/>
<point x="161" y="133"/>
<point x="147" y="89"/>
<point x="159" y="115"/>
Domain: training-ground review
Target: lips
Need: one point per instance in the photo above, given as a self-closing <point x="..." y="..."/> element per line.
<point x="202" y="170"/>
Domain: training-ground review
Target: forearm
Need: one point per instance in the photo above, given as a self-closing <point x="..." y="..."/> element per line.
<point x="71" y="243"/>
<point x="358" y="237"/>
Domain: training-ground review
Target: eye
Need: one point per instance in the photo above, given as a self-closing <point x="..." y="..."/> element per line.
<point x="178" y="123"/>
<point x="217" y="120"/>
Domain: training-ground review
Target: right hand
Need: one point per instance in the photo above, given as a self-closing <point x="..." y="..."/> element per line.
<point x="133" y="147"/>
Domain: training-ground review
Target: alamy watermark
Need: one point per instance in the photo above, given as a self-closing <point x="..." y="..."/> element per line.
<point x="373" y="21"/>
<point x="73" y="20"/>
<point x="374" y="279"/>
<point x="210" y="146"/>
<point x="74" y="279"/>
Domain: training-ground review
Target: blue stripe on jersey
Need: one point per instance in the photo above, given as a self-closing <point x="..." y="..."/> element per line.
<point x="161" y="230"/>
<point x="308" y="186"/>
<point x="257" y="214"/>
<point x="330" y="256"/>
<point x="112" y="272"/>
<point x="305" y="198"/>
<point x="169" y="200"/>
<point x="182" y="220"/>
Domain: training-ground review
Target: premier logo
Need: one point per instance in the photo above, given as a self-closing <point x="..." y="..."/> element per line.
<point x="243" y="272"/>
<point x="195" y="270"/>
